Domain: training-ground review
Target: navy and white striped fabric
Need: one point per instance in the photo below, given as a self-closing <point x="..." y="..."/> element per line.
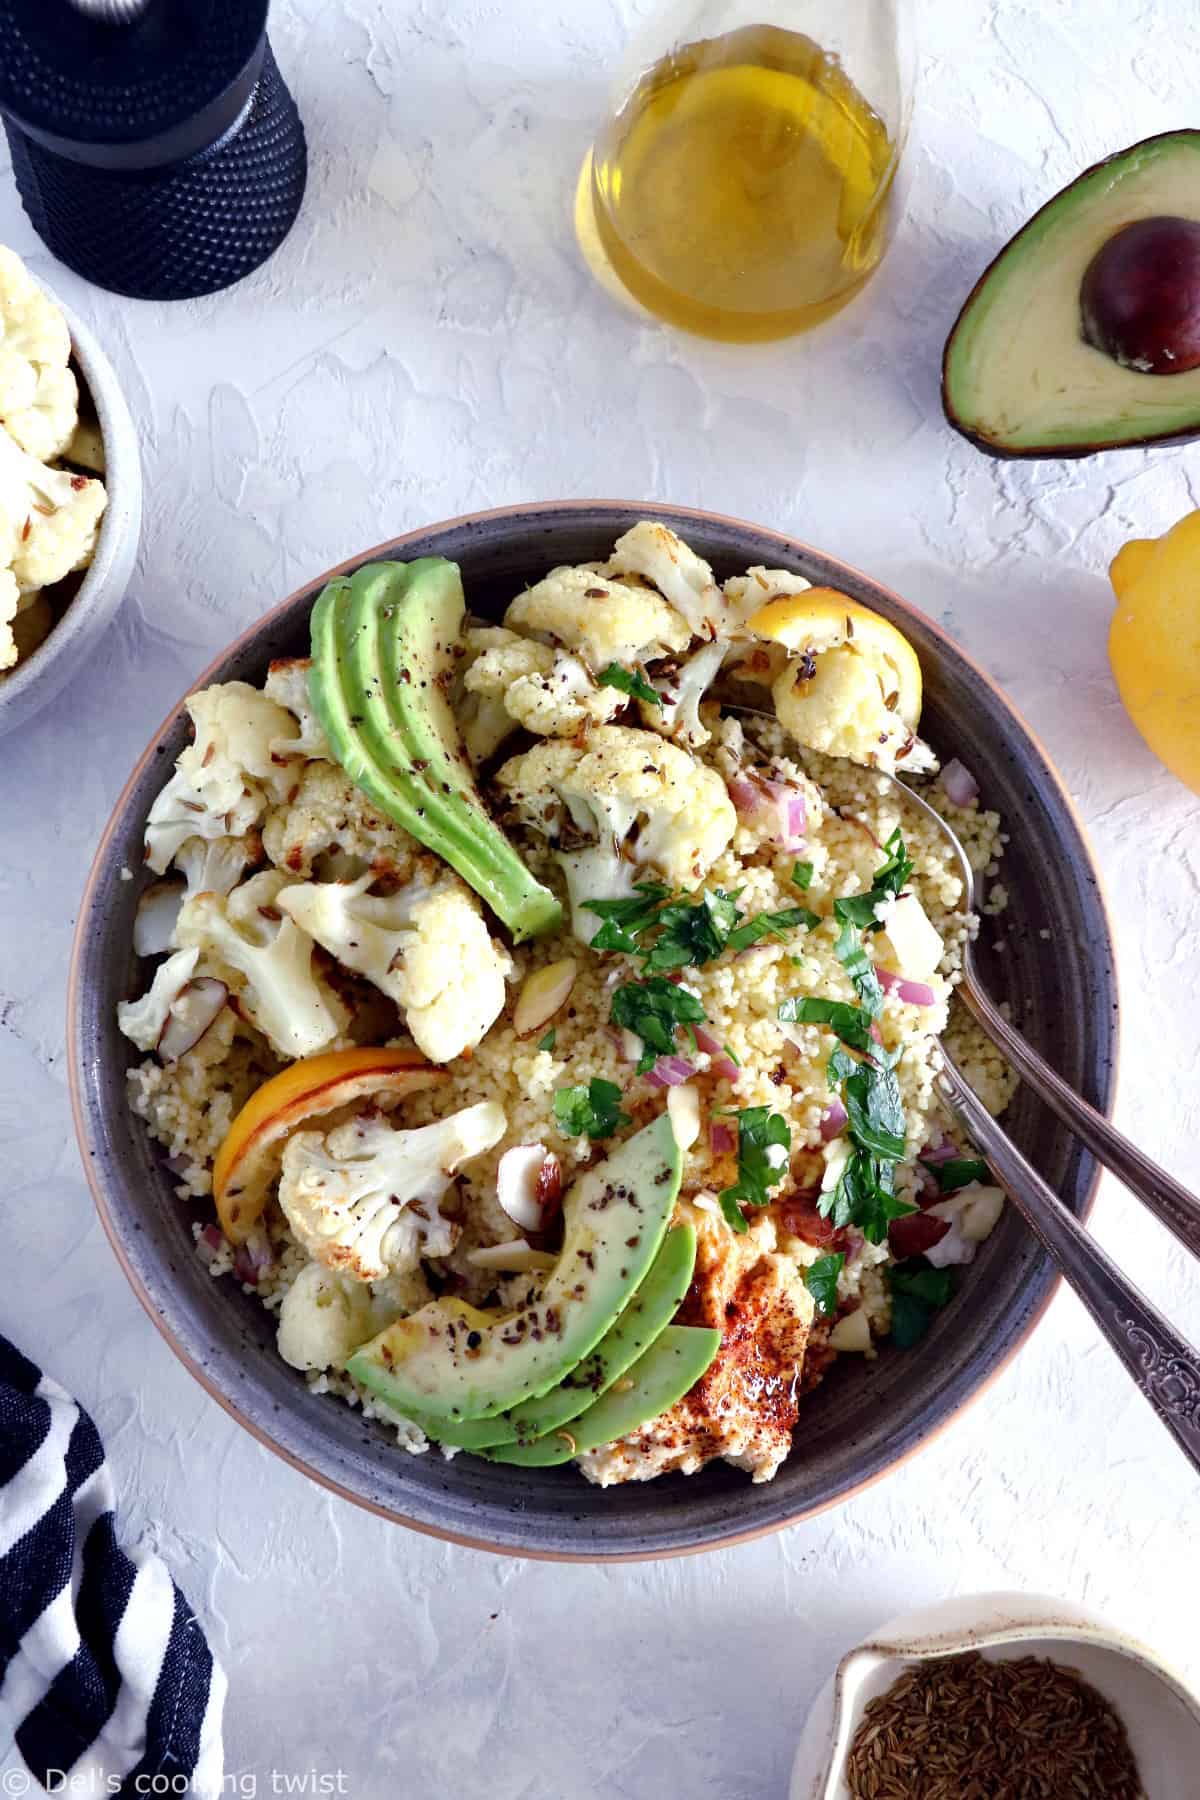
<point x="105" y="1675"/>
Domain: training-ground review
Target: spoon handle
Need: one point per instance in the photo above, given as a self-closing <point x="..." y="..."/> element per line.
<point x="1159" y="1192"/>
<point x="1164" y="1366"/>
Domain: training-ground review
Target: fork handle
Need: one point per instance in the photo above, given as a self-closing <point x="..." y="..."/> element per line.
<point x="1159" y="1192"/>
<point x="1164" y="1365"/>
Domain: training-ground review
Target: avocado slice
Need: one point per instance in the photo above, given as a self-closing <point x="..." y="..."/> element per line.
<point x="451" y="1361"/>
<point x="648" y="1314"/>
<point x="1018" y="376"/>
<point x="674" y="1363"/>
<point x="383" y="644"/>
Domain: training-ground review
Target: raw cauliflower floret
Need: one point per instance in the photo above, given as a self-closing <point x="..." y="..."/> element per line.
<point x="547" y="691"/>
<point x="223" y="781"/>
<point x="49" y="518"/>
<point x="364" y="1198"/>
<point x="654" y="551"/>
<point x="427" y="947"/>
<point x="39" y="397"/>
<point x="287" y="685"/>
<point x="266" y="960"/>
<point x="328" y="817"/>
<point x="605" y="621"/>
<point x="645" y="802"/>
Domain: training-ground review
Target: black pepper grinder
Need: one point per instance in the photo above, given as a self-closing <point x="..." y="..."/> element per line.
<point x="155" y="146"/>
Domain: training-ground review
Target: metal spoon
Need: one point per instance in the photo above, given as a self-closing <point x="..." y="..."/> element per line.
<point x="1163" y="1364"/>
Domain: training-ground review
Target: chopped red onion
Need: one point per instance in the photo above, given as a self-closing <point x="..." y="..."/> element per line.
<point x="670" y="1071"/>
<point x="723" y="1064"/>
<point x="758" y="793"/>
<point x="834" y="1121"/>
<point x="945" y="1150"/>
<point x="720" y="1138"/>
<point x="913" y="993"/>
<point x="253" y="1260"/>
<point x="745" y="794"/>
<point x="209" y="1245"/>
<point x="960" y="785"/>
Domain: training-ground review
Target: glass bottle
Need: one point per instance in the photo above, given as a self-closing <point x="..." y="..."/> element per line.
<point x="744" y="186"/>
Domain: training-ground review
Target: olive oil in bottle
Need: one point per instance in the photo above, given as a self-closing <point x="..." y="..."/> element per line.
<point x="742" y="190"/>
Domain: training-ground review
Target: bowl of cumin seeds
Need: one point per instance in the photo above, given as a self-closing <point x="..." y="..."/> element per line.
<point x="1001" y="1697"/>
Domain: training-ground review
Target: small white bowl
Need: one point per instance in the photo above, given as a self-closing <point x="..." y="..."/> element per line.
<point x="39" y="677"/>
<point x="1160" y="1714"/>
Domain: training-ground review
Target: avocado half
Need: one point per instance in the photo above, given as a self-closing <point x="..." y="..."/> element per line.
<point x="1018" y="376"/>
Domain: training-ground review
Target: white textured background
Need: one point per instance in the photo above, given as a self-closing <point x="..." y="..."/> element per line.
<point x="428" y="342"/>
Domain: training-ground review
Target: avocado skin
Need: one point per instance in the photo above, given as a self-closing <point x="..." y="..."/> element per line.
<point x="447" y="1362"/>
<point x="382" y="656"/>
<point x="1069" y="452"/>
<point x="675" y="1361"/>
<point x="651" y="1310"/>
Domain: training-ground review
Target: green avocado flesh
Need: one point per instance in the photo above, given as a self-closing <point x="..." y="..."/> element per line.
<point x="1018" y="377"/>
<point x="449" y="1361"/>
<point x="650" y="1311"/>
<point x="674" y="1363"/>
<point x="383" y="643"/>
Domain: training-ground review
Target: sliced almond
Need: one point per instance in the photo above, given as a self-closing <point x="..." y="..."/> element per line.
<point x="515" y="1258"/>
<point x="683" y="1108"/>
<point x="518" y="1183"/>
<point x="154" y="921"/>
<point x="198" y="1005"/>
<point x="542" y="994"/>
<point x="852" y="1332"/>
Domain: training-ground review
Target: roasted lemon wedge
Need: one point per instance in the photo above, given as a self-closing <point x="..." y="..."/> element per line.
<point x="852" y="683"/>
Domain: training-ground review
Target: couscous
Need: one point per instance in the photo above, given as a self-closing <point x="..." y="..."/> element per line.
<point x="724" y="920"/>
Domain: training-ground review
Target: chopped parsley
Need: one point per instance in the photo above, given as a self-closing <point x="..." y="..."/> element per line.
<point x="592" y="1110"/>
<point x="850" y="1023"/>
<point x="653" y="1010"/>
<point x="886" y="883"/>
<point x="918" y="1291"/>
<point x="764" y="1140"/>
<point x="865" y="1195"/>
<point x="630" y="681"/>
<point x="692" y="934"/>
<point x="674" y="933"/>
<point x="959" y="1172"/>
<point x="859" y="967"/>
<point x="821" y="1280"/>
<point x="802" y="874"/>
<point x="624" y="919"/>
<point x="548" y="1042"/>
<point x="771" y="924"/>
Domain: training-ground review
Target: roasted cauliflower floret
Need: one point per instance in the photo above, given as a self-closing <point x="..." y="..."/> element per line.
<point x="223" y="781"/>
<point x="216" y="865"/>
<point x="49" y="518"/>
<point x="266" y="960"/>
<point x="39" y="398"/>
<point x="323" y="1319"/>
<point x="744" y="1407"/>
<point x="655" y="552"/>
<point x="645" y="804"/>
<point x="605" y="621"/>
<point x="328" y="817"/>
<point x="681" y="688"/>
<point x="427" y="947"/>
<point x="547" y="691"/>
<point x="364" y="1198"/>
<point x="10" y="605"/>
<point x="143" y="1021"/>
<point x="287" y="686"/>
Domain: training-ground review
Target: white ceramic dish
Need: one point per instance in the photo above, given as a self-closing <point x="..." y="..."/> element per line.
<point x="1160" y="1713"/>
<point x="38" y="678"/>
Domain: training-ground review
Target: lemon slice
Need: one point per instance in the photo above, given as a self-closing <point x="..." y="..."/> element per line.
<point x="852" y="684"/>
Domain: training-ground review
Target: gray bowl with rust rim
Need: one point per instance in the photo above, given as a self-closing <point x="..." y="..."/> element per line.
<point x="865" y="1419"/>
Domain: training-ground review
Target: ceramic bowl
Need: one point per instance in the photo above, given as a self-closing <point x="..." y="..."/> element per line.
<point x="41" y="676"/>
<point x="1160" y="1713"/>
<point x="866" y="1418"/>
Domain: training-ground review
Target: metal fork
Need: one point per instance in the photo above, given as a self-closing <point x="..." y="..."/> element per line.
<point x="1163" y="1364"/>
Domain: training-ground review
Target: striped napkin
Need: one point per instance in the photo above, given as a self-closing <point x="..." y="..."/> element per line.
<point x="105" y="1675"/>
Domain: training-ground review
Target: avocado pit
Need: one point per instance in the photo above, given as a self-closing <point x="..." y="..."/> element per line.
<point x="1140" y="296"/>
